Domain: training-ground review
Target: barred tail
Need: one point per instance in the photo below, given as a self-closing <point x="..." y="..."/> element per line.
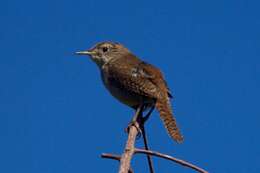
<point x="164" y="108"/>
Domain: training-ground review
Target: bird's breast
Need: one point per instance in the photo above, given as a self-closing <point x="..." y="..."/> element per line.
<point x="124" y="96"/>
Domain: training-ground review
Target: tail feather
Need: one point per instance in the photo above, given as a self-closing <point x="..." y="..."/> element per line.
<point x="164" y="108"/>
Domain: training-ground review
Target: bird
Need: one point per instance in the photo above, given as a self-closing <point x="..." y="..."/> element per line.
<point x="134" y="82"/>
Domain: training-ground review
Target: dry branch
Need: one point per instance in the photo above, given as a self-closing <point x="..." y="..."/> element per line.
<point x="142" y="122"/>
<point x="129" y="150"/>
<point x="114" y="157"/>
<point x="111" y="156"/>
<point x="179" y="161"/>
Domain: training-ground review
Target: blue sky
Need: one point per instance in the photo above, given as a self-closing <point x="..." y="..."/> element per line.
<point x="56" y="115"/>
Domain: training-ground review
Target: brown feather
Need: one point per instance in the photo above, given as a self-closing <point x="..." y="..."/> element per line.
<point x="164" y="108"/>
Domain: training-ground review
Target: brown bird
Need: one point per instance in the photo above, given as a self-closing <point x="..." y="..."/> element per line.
<point x="134" y="82"/>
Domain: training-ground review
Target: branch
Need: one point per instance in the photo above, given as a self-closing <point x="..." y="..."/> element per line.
<point x="143" y="120"/>
<point x="136" y="126"/>
<point x="182" y="162"/>
<point x="149" y="158"/>
<point x="114" y="157"/>
<point x="111" y="156"/>
<point x="130" y="144"/>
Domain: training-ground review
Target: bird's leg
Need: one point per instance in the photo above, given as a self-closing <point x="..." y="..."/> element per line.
<point x="146" y="117"/>
<point x="137" y="117"/>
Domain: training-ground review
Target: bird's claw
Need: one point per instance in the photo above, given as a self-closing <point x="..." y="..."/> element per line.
<point x="136" y="125"/>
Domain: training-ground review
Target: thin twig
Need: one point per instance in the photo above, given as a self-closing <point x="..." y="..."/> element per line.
<point x="111" y="156"/>
<point x="182" y="162"/>
<point x="114" y="157"/>
<point x="149" y="158"/>
<point x="143" y="120"/>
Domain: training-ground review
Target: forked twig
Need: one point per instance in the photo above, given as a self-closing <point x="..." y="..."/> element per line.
<point x="130" y="149"/>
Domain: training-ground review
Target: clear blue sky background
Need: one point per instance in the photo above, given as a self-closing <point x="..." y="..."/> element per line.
<point x="56" y="116"/>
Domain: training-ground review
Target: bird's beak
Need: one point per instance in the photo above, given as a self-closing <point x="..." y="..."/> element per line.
<point x="85" y="52"/>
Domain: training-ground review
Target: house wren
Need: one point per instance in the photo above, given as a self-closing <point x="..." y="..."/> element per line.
<point x="134" y="82"/>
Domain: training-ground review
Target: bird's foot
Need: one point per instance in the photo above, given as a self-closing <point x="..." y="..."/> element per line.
<point x="137" y="126"/>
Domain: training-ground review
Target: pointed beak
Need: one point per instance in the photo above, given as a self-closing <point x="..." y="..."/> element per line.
<point x="85" y="52"/>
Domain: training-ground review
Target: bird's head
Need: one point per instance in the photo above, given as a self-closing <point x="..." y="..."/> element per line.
<point x="103" y="52"/>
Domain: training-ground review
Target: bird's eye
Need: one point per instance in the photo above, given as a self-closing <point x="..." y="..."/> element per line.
<point x="105" y="49"/>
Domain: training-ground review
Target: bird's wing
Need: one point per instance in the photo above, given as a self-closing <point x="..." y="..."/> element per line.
<point x="140" y="78"/>
<point x="156" y="77"/>
<point x="131" y="78"/>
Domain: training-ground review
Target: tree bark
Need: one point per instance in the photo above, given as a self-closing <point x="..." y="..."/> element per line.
<point x="133" y="128"/>
<point x="129" y="149"/>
